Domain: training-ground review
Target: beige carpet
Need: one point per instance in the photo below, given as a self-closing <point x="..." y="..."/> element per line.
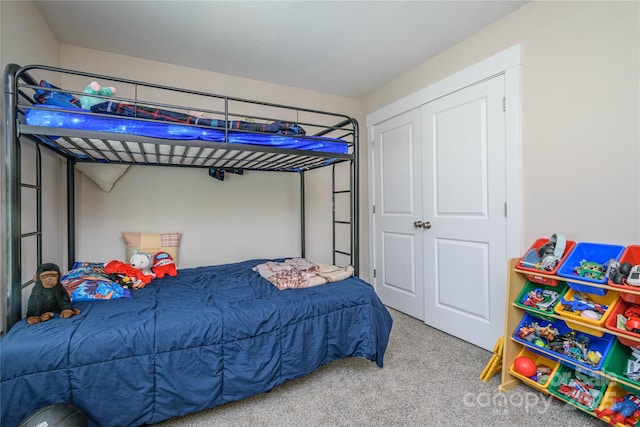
<point x="429" y="379"/>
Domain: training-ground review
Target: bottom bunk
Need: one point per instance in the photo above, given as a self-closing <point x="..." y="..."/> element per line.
<point x="207" y="336"/>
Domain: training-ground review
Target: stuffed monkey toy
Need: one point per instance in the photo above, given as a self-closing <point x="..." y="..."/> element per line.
<point x="48" y="296"/>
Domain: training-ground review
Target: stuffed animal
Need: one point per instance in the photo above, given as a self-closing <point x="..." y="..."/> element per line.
<point x="48" y="296"/>
<point x="87" y="101"/>
<point x="163" y="264"/>
<point x="115" y="267"/>
<point x="139" y="270"/>
<point x="143" y="261"/>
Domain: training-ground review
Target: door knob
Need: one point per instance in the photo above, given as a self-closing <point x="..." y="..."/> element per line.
<point x="420" y="224"/>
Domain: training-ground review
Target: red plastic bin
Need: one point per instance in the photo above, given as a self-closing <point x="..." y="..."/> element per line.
<point x="611" y="324"/>
<point x="536" y="278"/>
<point x="631" y="255"/>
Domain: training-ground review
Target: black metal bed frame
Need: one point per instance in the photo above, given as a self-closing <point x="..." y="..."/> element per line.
<point x="19" y="84"/>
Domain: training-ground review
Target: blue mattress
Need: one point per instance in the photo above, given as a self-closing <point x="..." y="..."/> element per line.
<point x="183" y="344"/>
<point x="77" y="120"/>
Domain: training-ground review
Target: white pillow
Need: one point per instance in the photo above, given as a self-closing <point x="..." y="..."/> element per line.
<point x="105" y="175"/>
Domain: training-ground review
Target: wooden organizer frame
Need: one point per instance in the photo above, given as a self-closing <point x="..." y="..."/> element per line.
<point x="516" y="280"/>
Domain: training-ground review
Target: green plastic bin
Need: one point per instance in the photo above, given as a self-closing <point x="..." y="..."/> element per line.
<point x="561" y="289"/>
<point x="616" y="363"/>
<point x="596" y="384"/>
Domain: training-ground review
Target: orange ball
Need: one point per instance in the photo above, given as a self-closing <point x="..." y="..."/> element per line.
<point x="524" y="366"/>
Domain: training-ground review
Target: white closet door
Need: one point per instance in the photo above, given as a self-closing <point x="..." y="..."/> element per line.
<point x="397" y="192"/>
<point x="464" y="200"/>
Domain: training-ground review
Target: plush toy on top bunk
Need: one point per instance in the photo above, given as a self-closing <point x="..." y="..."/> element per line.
<point x="48" y="296"/>
<point x="88" y="100"/>
<point x="139" y="269"/>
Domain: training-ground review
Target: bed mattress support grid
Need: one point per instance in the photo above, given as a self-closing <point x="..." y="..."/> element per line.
<point x="11" y="191"/>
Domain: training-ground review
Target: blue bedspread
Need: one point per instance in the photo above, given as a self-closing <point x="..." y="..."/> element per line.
<point x="183" y="344"/>
<point x="79" y="119"/>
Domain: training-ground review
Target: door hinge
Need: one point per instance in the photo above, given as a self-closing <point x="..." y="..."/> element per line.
<point x="504" y="103"/>
<point x="374" y="208"/>
<point x="374" y="273"/>
<point x="505" y="209"/>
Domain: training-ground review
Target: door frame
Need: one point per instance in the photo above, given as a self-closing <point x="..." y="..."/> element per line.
<point x="506" y="62"/>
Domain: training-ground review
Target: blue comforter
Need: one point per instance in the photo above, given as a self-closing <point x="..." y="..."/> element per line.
<point x="183" y="344"/>
<point x="57" y="117"/>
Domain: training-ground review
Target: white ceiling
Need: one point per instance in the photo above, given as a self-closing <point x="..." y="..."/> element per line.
<point x="347" y="48"/>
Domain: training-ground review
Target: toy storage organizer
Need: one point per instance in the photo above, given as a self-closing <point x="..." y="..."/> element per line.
<point x="607" y="376"/>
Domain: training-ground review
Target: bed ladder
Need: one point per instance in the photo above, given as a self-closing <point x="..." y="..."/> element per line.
<point x="15" y="284"/>
<point x="340" y="224"/>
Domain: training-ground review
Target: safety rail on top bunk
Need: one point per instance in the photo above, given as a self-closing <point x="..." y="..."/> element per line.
<point x="110" y="147"/>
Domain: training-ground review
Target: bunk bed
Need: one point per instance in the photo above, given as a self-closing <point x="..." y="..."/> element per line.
<point x="208" y="335"/>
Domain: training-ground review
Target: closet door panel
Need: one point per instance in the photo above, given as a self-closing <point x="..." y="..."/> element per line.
<point x="464" y="198"/>
<point x="397" y="198"/>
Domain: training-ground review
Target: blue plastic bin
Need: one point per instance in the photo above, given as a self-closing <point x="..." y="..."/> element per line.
<point x="600" y="344"/>
<point x="592" y="252"/>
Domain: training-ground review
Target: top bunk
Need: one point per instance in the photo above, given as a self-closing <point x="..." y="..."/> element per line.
<point x="90" y="117"/>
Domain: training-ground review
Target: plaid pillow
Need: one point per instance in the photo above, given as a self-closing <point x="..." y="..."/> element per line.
<point x="152" y="243"/>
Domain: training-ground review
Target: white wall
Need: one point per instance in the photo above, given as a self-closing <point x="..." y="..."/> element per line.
<point x="580" y="113"/>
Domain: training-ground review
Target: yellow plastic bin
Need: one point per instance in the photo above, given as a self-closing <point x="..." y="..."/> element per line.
<point x="539" y="360"/>
<point x="609" y="300"/>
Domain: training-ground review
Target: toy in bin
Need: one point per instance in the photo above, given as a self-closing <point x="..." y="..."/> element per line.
<point x="582" y="304"/>
<point x="526" y="367"/>
<point x="632" y="319"/>
<point x="625" y="410"/>
<point x="579" y="391"/>
<point x="588" y="262"/>
<point x="623" y="319"/>
<point x="586" y="312"/>
<point x="619" y="271"/>
<point x="623" y="363"/>
<point x="633" y="365"/>
<point x="542" y="299"/>
<point x="568" y="344"/>
<point x="544" y="257"/>
<point x="547" y="255"/>
<point x="534" y="369"/>
<point x="590" y="270"/>
<point x="539" y="335"/>
<point x="623" y="273"/>
<point x="583" y="388"/>
<point x="576" y="347"/>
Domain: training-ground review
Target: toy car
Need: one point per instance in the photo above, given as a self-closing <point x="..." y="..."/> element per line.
<point x="633" y="278"/>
